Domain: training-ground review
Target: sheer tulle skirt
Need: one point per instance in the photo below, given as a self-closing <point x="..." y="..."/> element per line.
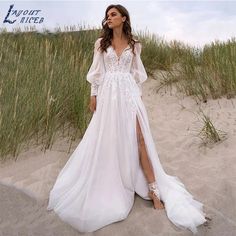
<point x="97" y="185"/>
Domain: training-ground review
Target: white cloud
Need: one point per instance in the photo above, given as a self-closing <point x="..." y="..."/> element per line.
<point x="193" y="22"/>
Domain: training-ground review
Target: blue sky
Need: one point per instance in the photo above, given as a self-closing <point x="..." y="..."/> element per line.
<point x="193" y="22"/>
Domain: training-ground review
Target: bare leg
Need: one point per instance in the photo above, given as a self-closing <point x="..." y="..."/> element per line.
<point x="146" y="165"/>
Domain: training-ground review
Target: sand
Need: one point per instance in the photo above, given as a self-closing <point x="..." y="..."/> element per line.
<point x="208" y="172"/>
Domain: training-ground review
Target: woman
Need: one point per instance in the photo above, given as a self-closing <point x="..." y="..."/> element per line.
<point x="117" y="155"/>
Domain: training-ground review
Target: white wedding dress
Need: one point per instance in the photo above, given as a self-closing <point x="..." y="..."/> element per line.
<point x="97" y="185"/>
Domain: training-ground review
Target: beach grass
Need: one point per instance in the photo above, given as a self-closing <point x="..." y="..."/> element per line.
<point x="207" y="73"/>
<point x="43" y="90"/>
<point x="209" y="134"/>
<point x="43" y="87"/>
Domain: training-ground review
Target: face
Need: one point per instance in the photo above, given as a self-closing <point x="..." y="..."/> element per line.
<point x="114" y="18"/>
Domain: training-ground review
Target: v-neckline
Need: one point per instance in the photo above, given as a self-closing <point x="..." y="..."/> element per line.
<point x="121" y="51"/>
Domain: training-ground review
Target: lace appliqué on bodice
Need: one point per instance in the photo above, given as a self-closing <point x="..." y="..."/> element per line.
<point x="109" y="66"/>
<point x="114" y="63"/>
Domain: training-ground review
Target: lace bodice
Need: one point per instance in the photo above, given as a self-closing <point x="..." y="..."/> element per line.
<point x="114" y="63"/>
<point x="110" y="62"/>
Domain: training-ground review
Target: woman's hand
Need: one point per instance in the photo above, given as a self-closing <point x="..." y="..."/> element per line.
<point x="93" y="103"/>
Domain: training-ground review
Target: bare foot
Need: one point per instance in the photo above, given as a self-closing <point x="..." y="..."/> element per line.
<point x="158" y="204"/>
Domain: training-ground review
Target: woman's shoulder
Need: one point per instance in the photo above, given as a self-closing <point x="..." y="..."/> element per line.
<point x="137" y="41"/>
<point x="97" y="43"/>
<point x="138" y="45"/>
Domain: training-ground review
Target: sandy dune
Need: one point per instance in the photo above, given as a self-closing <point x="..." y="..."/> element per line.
<point x="209" y="173"/>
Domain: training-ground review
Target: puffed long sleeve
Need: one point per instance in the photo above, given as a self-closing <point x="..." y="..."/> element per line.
<point x="137" y="68"/>
<point x="97" y="69"/>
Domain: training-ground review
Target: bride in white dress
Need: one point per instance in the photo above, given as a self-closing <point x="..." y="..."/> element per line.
<point x="117" y="156"/>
